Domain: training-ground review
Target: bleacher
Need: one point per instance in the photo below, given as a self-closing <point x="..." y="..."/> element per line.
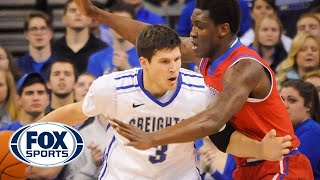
<point x="12" y="14"/>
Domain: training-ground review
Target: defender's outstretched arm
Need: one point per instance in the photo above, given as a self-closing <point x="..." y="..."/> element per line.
<point x="128" y="28"/>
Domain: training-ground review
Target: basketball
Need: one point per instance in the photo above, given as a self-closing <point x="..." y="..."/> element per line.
<point x="10" y="167"/>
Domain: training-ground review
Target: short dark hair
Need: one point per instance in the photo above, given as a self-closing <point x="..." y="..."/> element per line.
<point x="222" y="11"/>
<point x="63" y="60"/>
<point x="271" y="3"/>
<point x="309" y="93"/>
<point x="39" y="14"/>
<point x="28" y="80"/>
<point x="122" y="7"/>
<point x="154" y="38"/>
<point x="66" y="5"/>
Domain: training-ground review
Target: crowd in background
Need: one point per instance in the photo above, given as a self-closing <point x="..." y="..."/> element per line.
<point x="54" y="73"/>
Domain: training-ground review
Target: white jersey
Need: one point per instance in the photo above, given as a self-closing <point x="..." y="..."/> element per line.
<point x="121" y="95"/>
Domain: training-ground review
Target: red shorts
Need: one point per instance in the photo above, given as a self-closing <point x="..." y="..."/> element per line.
<point x="295" y="166"/>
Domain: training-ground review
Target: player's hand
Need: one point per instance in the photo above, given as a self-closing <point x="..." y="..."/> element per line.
<point x="96" y="154"/>
<point x="85" y="6"/>
<point x="138" y="138"/>
<point x="273" y="148"/>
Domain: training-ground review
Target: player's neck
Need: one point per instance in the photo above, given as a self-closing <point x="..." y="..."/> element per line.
<point x="153" y="88"/>
<point x="224" y="46"/>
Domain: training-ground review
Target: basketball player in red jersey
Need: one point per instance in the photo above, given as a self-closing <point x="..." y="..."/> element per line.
<point x="247" y="97"/>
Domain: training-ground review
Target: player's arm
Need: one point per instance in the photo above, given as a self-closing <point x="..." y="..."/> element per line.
<point x="271" y="148"/>
<point x="70" y="114"/>
<point x="238" y="82"/>
<point x="117" y="23"/>
<point x="120" y="25"/>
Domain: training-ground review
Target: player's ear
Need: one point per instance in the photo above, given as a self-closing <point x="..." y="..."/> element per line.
<point x="143" y="62"/>
<point x="224" y="29"/>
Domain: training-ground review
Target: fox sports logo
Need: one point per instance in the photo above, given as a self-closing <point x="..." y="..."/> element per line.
<point x="46" y="144"/>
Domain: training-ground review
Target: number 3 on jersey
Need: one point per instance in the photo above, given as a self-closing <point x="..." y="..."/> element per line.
<point x="160" y="155"/>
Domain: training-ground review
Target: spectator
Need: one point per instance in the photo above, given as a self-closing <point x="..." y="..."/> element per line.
<point x="260" y="9"/>
<point x="267" y="40"/>
<point x="61" y="82"/>
<point x="313" y="78"/>
<point x="309" y="23"/>
<point x="289" y="12"/>
<point x="8" y="107"/>
<point x="38" y="32"/>
<point x="78" y="43"/>
<point x="302" y="102"/>
<point x="121" y="56"/>
<point x="32" y="99"/>
<point x="82" y="85"/>
<point x="302" y="58"/>
<point x="7" y="62"/>
<point x="184" y="25"/>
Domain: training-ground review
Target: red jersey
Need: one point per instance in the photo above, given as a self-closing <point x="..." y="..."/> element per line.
<point x="257" y="116"/>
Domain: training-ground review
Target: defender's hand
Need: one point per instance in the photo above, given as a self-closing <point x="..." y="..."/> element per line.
<point x="85" y="6"/>
<point x="273" y="148"/>
<point x="138" y="138"/>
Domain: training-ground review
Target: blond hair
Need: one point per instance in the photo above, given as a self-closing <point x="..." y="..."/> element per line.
<point x="256" y="44"/>
<point x="10" y="101"/>
<point x="290" y="62"/>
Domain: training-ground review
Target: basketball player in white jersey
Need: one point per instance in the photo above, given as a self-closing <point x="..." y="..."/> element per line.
<point x="154" y="97"/>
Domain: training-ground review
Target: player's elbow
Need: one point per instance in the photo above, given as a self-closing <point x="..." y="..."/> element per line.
<point x="212" y="127"/>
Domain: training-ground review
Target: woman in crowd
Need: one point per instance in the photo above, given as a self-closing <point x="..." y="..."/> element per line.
<point x="260" y="9"/>
<point x="6" y="62"/>
<point x="268" y="42"/>
<point x="302" y="102"/>
<point x="8" y="108"/>
<point x="302" y="58"/>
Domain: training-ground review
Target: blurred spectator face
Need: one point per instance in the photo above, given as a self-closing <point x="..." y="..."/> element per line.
<point x="294" y="104"/>
<point x="34" y="99"/>
<point x="134" y="2"/>
<point x="82" y="86"/>
<point x="309" y="25"/>
<point x="3" y="88"/>
<point x="62" y="79"/>
<point x="269" y="32"/>
<point x="308" y="55"/>
<point x="260" y="9"/>
<point x="74" y="19"/>
<point x="38" y="34"/>
<point x="315" y="80"/>
<point x="4" y="61"/>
